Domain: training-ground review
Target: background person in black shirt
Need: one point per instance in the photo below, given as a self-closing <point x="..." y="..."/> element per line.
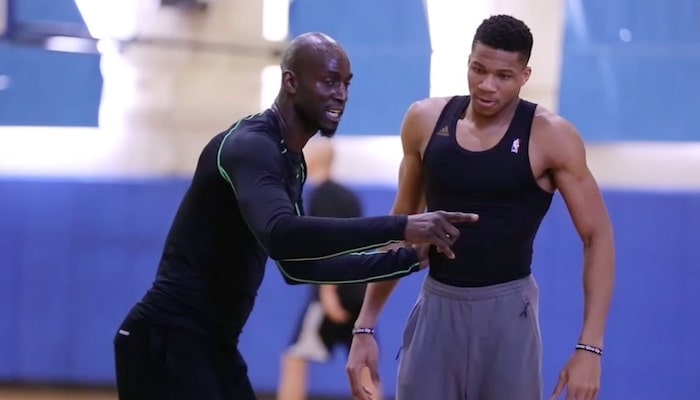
<point x="328" y="316"/>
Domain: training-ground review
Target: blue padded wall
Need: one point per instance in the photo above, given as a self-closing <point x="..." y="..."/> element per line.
<point x="48" y="88"/>
<point x="389" y="48"/>
<point x="75" y="255"/>
<point x="629" y="69"/>
<point x="42" y="11"/>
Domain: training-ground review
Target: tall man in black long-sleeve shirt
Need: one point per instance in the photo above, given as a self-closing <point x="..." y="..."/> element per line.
<point x="243" y="205"/>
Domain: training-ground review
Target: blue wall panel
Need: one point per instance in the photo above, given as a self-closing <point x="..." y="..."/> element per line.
<point x="76" y="255"/>
<point x="49" y="88"/>
<point x="629" y="69"/>
<point x="53" y="11"/>
<point x="389" y="48"/>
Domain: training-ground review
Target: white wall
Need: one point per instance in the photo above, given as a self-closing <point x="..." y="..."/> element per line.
<point x="161" y="105"/>
<point x="164" y="103"/>
<point x="87" y="153"/>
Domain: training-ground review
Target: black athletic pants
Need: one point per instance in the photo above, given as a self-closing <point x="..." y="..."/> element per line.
<point x="157" y="363"/>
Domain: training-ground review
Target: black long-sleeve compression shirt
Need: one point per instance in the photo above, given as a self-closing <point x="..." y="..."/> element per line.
<point x="257" y="170"/>
<point x="243" y="205"/>
<point x="267" y="180"/>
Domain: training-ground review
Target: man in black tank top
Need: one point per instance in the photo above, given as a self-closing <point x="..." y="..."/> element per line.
<point x="244" y="204"/>
<point x="474" y="331"/>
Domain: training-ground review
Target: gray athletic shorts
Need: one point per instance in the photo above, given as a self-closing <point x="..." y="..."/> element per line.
<point x="472" y="343"/>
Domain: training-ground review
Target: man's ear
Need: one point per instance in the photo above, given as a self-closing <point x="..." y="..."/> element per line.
<point x="526" y="75"/>
<point x="289" y="82"/>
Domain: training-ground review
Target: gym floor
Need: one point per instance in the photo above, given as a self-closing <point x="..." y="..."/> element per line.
<point x="61" y="393"/>
<point x="49" y="393"/>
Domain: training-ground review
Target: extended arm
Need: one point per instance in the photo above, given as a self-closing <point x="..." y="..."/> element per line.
<point x="590" y="217"/>
<point x="352" y="268"/>
<point x="254" y="166"/>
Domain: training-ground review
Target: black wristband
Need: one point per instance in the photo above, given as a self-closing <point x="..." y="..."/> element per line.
<point x="363" y="331"/>
<point x="589" y="348"/>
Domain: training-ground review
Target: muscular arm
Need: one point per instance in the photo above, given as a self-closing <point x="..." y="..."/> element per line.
<point x="410" y="199"/>
<point x="254" y="166"/>
<point x="590" y="217"/>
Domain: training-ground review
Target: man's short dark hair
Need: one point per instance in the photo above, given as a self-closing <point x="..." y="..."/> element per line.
<point x="504" y="32"/>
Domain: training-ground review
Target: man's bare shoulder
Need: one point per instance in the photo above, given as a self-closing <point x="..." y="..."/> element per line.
<point x="425" y="112"/>
<point x="555" y="136"/>
<point x="551" y="126"/>
<point x="429" y="104"/>
<point x="419" y="121"/>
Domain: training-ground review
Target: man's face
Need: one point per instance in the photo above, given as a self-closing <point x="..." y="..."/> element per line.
<point x="495" y="78"/>
<point x="323" y="90"/>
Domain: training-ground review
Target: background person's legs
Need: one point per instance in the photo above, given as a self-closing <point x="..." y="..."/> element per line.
<point x="314" y="341"/>
<point x="307" y="345"/>
<point x="292" y="381"/>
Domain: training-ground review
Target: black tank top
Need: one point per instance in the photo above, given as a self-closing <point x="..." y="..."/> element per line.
<point x="498" y="184"/>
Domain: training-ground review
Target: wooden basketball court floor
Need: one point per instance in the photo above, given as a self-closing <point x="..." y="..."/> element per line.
<point x="56" y="393"/>
<point x="47" y="393"/>
<point x="66" y="393"/>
